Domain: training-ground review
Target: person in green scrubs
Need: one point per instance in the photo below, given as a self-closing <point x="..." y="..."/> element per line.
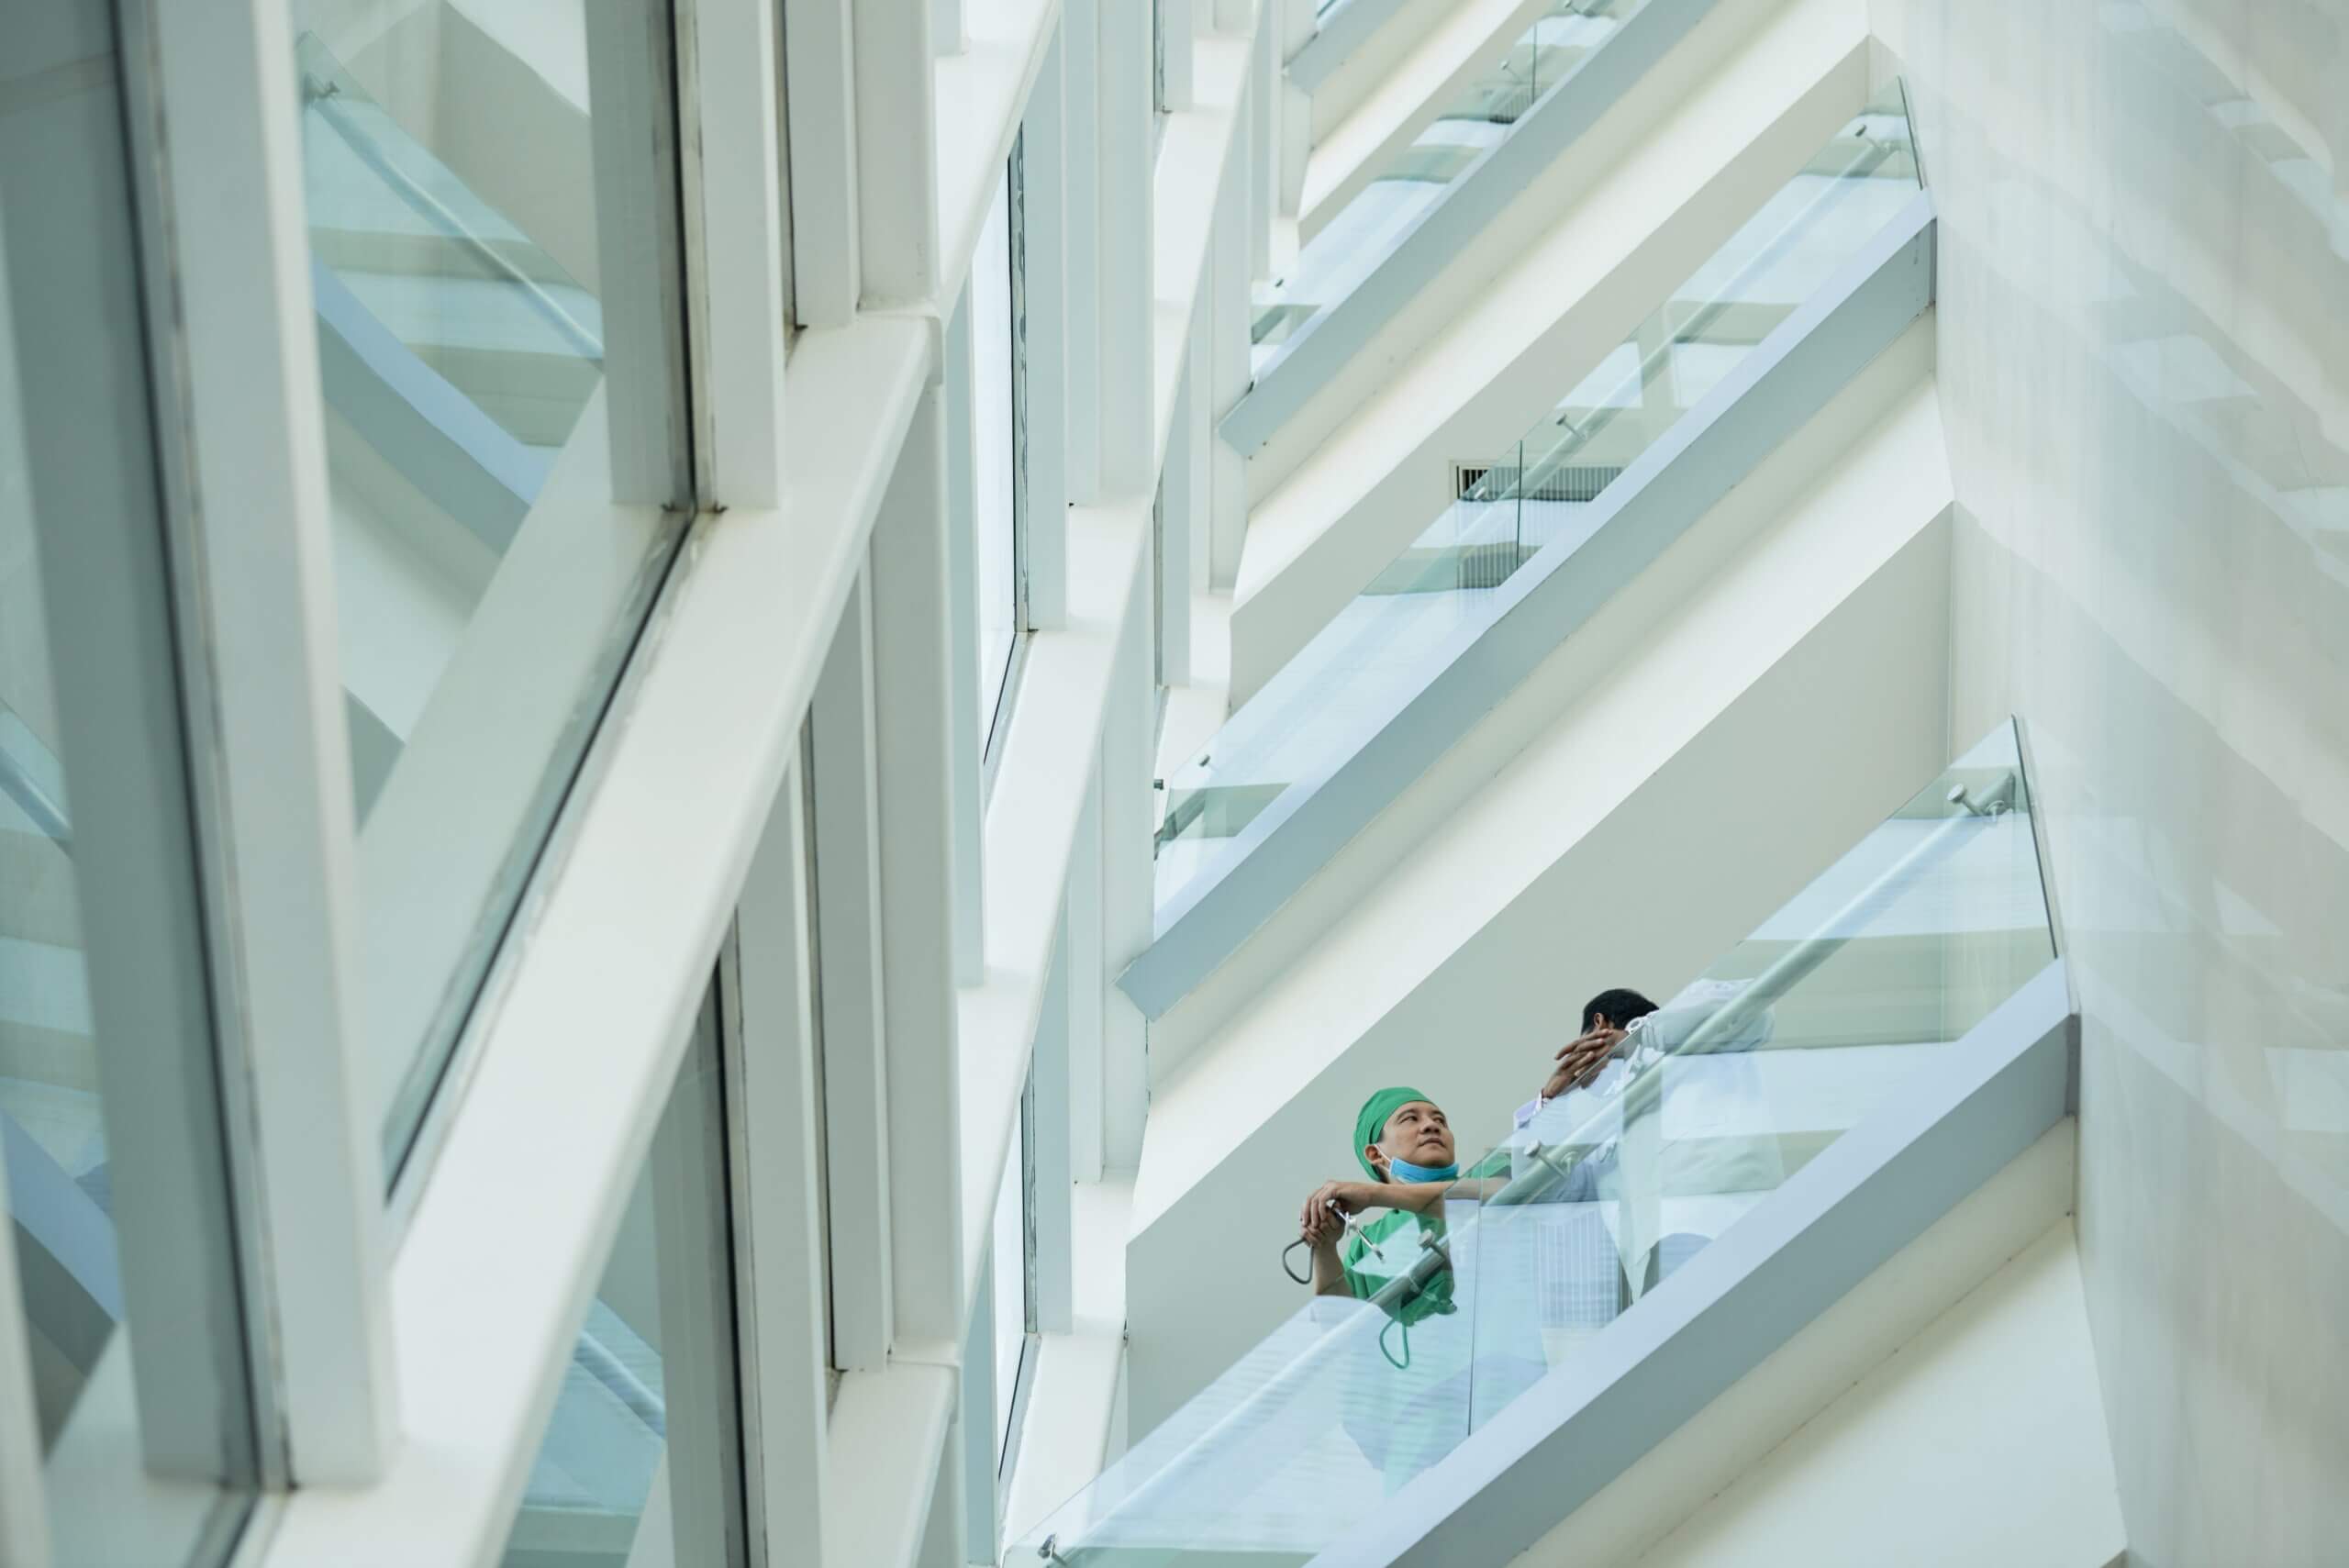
<point x="1407" y="1386"/>
<point x="1405" y="1144"/>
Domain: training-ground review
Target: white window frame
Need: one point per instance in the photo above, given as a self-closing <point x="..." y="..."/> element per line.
<point x="762" y="588"/>
<point x="248" y="503"/>
<point x="779" y="1155"/>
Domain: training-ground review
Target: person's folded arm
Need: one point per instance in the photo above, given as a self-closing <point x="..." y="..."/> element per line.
<point x="1322" y="1235"/>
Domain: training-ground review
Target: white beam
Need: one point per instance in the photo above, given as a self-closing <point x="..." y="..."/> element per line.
<point x="820" y="98"/>
<point x="1178" y="23"/>
<point x="1128" y="820"/>
<point x="841" y="724"/>
<point x="889" y="1432"/>
<point x="1179" y="500"/>
<point x="700" y="1493"/>
<point x="1087" y="978"/>
<point x="946" y="29"/>
<point x="1234" y="315"/>
<point x="970" y="1448"/>
<point x="226" y="98"/>
<point x="783" y="1270"/>
<point x="1127" y="161"/>
<point x="960" y="1523"/>
<point x="915" y="835"/>
<point x="1080" y="60"/>
<point x="896" y="157"/>
<point x="736" y="291"/>
<point x="1199" y="486"/>
<point x="1262" y="160"/>
<point x="1052" y="1221"/>
<point x="965" y="749"/>
<point x="1043" y="282"/>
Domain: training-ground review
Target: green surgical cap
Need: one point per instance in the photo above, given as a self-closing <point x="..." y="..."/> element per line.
<point x="1371" y="1121"/>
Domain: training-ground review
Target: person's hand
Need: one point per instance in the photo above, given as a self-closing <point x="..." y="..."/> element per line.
<point x="1323" y="1227"/>
<point x="1345" y="1194"/>
<point x="1581" y="1058"/>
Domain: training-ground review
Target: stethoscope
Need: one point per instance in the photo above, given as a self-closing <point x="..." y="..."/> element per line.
<point x="1354" y="1226"/>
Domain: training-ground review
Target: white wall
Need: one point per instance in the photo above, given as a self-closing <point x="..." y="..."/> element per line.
<point x="2143" y="353"/>
<point x="1980" y="1440"/>
<point x="1957" y="1375"/>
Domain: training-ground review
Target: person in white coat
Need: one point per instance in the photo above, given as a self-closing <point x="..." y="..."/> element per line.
<point x="1673" y="1158"/>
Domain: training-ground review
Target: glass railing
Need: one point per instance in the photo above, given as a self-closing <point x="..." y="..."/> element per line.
<point x="1445" y="589"/>
<point x="1878" y="968"/>
<point x="1366" y="229"/>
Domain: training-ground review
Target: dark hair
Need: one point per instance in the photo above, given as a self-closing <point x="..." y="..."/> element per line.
<point x="1620" y="1005"/>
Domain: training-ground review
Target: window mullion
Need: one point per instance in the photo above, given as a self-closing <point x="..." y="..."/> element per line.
<point x="273" y="770"/>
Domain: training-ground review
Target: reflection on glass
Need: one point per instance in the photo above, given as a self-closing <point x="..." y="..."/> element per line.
<point x="643" y="1461"/>
<point x="1362" y="233"/>
<point x="1827" y="1011"/>
<point x="499" y="344"/>
<point x="1447" y="586"/>
<point x="111" y="1134"/>
<point x="2239" y="411"/>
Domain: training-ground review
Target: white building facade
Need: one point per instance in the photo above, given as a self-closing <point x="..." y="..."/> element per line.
<point x="731" y="729"/>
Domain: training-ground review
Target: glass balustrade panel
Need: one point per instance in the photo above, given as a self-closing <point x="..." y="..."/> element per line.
<point x="1411" y="180"/>
<point x="1873" y="972"/>
<point x="490" y="192"/>
<point x="1870" y="975"/>
<point x="1452" y="581"/>
<point x="1341" y="1407"/>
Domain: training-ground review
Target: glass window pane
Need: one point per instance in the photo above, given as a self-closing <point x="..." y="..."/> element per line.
<point x="642" y="1460"/>
<point x="994" y="513"/>
<point x="1010" y="1245"/>
<point x="491" y="197"/>
<point x="110" y="1116"/>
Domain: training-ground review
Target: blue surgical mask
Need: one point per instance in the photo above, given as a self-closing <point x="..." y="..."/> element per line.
<point x="1403" y="1171"/>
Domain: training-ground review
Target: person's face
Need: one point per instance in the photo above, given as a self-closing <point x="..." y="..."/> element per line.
<point x="1416" y="1132"/>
